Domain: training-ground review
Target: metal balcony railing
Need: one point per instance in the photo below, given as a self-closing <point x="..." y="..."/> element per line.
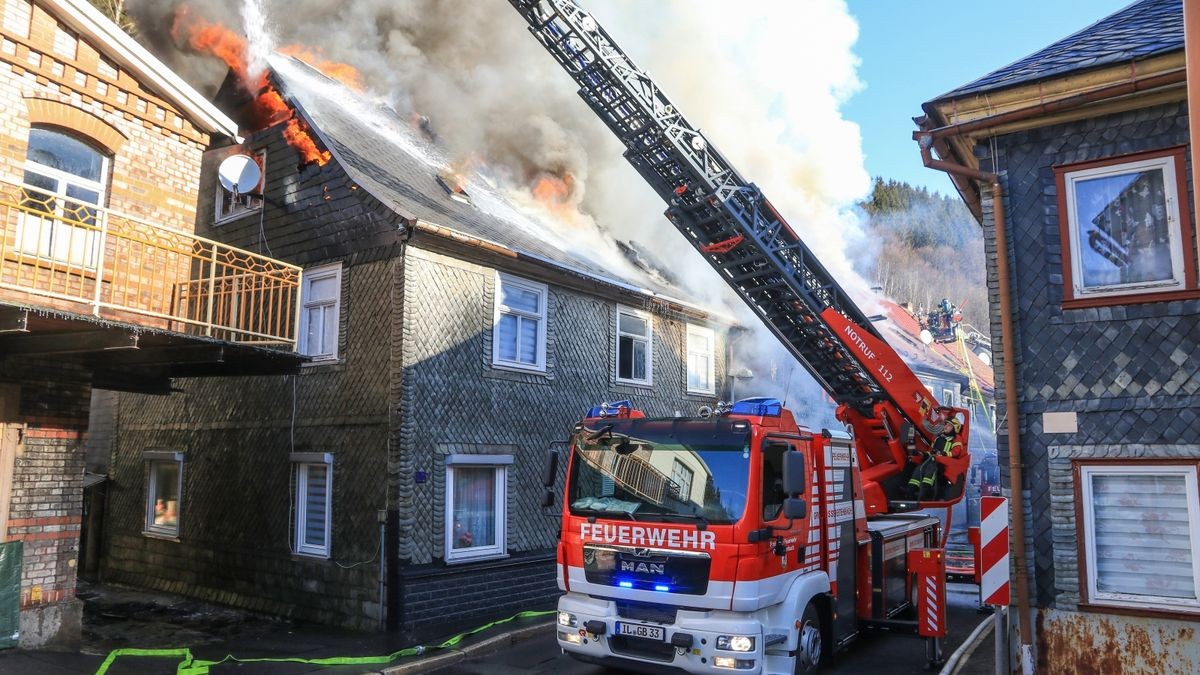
<point x="59" y="251"/>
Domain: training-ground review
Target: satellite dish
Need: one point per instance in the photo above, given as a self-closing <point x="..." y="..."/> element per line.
<point x="239" y="174"/>
<point x="926" y="337"/>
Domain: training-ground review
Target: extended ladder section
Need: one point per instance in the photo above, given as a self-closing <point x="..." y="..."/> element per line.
<point x="725" y="217"/>
<point x="732" y="224"/>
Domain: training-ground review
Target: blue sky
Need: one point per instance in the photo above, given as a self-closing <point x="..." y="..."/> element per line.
<point x="913" y="52"/>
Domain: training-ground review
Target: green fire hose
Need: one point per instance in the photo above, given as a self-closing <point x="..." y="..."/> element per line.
<point x="189" y="665"/>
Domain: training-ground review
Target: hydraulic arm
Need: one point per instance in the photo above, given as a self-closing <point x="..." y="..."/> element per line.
<point x="737" y="230"/>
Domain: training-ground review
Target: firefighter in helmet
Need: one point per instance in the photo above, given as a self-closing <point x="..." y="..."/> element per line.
<point x="924" y="482"/>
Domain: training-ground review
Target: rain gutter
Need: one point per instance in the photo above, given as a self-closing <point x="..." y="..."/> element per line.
<point x="1012" y="416"/>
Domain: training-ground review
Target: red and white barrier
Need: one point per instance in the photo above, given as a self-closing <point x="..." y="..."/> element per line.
<point x="993" y="536"/>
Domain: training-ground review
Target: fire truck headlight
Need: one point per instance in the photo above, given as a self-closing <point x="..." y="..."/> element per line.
<point x="735" y="643"/>
<point x="732" y="663"/>
<point x="567" y="619"/>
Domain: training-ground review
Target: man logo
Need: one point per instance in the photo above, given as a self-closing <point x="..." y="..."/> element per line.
<point x="644" y="568"/>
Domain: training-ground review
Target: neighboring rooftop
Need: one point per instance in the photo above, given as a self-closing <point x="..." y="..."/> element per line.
<point x="399" y="164"/>
<point x="1143" y="29"/>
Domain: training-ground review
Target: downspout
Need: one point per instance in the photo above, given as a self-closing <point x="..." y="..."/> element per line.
<point x="1191" y="23"/>
<point x="1012" y="427"/>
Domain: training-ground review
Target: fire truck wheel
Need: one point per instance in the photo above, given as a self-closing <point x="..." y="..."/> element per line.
<point x="810" y="647"/>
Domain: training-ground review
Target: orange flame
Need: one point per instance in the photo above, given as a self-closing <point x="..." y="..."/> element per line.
<point x="269" y="107"/>
<point x="342" y="72"/>
<point x="553" y="192"/>
<point x="458" y="171"/>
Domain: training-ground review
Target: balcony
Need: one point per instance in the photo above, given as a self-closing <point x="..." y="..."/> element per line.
<point x="75" y="257"/>
<point x="129" y="305"/>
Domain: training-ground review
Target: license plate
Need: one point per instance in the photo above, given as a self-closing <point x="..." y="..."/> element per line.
<point x="641" y="631"/>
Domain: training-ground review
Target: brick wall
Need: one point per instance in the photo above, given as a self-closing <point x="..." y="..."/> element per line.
<point x="155" y="151"/>
<point x="1126" y="371"/>
<point x="46" y="492"/>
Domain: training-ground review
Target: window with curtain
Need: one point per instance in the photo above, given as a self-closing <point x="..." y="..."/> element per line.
<point x="1141" y="535"/>
<point x="701" y="344"/>
<point x="476" y="497"/>
<point x="635" y="334"/>
<point x="519" y="324"/>
<point x="65" y="179"/>
<point x="1126" y="228"/>
<point x="164" y="484"/>
<point x="314" y="491"/>
<point x="320" y="300"/>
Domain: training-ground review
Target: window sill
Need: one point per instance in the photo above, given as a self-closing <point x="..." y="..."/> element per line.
<point x="310" y="557"/>
<point x="322" y="362"/>
<point x="159" y="535"/>
<point x="217" y="222"/>
<point x="1180" y="614"/>
<point x="694" y="392"/>
<point x="477" y="558"/>
<point x="514" y="368"/>
<point x="644" y="384"/>
<point x="1131" y="299"/>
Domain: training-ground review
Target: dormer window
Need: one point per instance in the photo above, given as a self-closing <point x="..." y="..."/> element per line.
<point x="453" y="188"/>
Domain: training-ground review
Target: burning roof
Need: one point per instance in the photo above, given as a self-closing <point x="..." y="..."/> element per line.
<point x="400" y="164"/>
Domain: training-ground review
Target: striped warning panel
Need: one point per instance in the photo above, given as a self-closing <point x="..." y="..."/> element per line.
<point x="993" y="538"/>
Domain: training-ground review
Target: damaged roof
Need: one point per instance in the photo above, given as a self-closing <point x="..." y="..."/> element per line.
<point x="1143" y="29"/>
<point x="399" y="165"/>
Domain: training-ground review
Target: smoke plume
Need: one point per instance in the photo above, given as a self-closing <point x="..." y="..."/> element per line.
<point x="763" y="80"/>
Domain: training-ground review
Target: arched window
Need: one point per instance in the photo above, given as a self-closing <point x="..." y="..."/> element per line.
<point x="65" y="179"/>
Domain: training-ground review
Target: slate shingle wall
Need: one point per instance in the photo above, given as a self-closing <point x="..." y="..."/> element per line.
<point x="455" y="402"/>
<point x="1128" y="371"/>
<point x="236" y="513"/>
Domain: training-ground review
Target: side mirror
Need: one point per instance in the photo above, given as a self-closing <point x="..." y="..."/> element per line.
<point x="548" y="499"/>
<point x="550" y="469"/>
<point x="795" y="509"/>
<point x="793" y="472"/>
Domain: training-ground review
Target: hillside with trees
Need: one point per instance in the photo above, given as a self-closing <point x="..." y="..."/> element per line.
<point x="930" y="247"/>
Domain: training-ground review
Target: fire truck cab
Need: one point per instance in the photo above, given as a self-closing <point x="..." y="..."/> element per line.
<point x="737" y="541"/>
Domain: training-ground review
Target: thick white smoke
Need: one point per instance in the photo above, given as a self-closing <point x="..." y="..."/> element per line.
<point x="764" y="80"/>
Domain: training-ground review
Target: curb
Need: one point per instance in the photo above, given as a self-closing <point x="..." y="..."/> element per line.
<point x="450" y="657"/>
<point x="967" y="648"/>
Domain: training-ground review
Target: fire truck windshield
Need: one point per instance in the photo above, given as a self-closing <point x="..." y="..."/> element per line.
<point x="661" y="470"/>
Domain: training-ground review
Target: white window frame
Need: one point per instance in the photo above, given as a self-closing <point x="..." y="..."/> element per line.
<point x="1178" y="281"/>
<point x="678" y="469"/>
<point x="948" y="397"/>
<point x="248" y="203"/>
<point x="500" y="464"/>
<point x="1188" y="471"/>
<point x="333" y="271"/>
<point x="499" y="309"/>
<point x="48" y="245"/>
<point x="302" y="461"/>
<point x="711" y="336"/>
<point x="153" y="459"/>
<point x="648" y="339"/>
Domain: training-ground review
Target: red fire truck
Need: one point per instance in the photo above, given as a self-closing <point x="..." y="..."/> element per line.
<point x="738" y="540"/>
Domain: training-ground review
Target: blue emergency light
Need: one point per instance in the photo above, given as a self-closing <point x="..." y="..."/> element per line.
<point x="625" y="584"/>
<point x="758" y="406"/>
<point x="607" y="409"/>
<point x="664" y="589"/>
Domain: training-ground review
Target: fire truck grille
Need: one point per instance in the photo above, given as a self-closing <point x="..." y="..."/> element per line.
<point x="639" y="612"/>
<point x="641" y="647"/>
<point x="659" y="570"/>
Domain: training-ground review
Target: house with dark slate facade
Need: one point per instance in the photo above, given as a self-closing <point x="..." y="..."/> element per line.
<point x="395" y="482"/>
<point x="1078" y="162"/>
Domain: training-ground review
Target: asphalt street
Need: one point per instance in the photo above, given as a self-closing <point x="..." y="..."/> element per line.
<point x="879" y="653"/>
